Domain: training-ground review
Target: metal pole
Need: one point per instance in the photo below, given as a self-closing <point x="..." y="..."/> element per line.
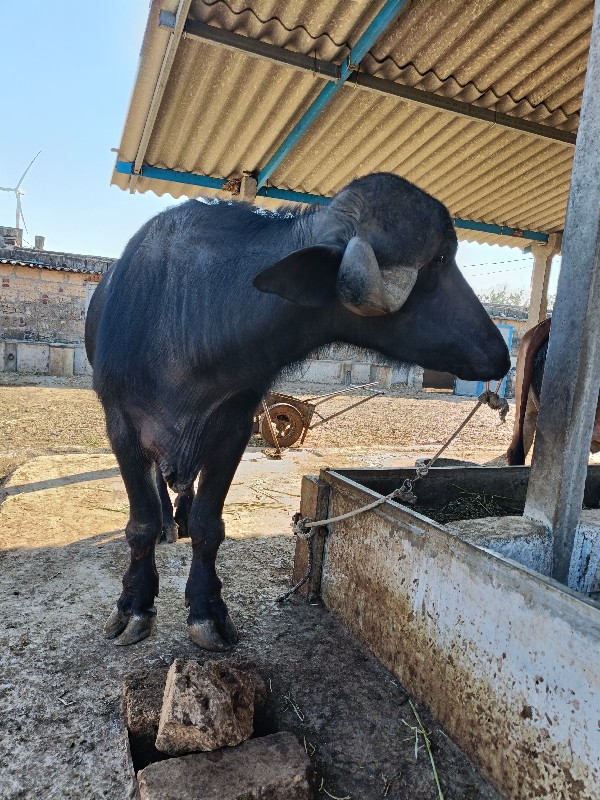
<point x="572" y="374"/>
<point x="159" y="90"/>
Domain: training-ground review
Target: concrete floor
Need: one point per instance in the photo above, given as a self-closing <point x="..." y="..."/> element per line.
<point x="63" y="553"/>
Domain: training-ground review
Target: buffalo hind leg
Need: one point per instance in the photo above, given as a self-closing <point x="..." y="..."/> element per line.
<point x="133" y="618"/>
<point x="183" y="505"/>
<point x="168" y="530"/>
<point x="529" y="425"/>
<point x="210" y="625"/>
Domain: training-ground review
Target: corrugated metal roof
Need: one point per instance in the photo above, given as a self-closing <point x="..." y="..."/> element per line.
<point x="61" y="262"/>
<point x="224" y="112"/>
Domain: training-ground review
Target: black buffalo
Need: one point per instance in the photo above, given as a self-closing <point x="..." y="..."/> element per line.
<point x="209" y="301"/>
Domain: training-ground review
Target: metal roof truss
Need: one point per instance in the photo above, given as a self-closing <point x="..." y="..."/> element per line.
<point x="200" y="31"/>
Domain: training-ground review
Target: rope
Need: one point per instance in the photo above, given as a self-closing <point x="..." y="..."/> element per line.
<point x="487" y="398"/>
<point x="305" y="528"/>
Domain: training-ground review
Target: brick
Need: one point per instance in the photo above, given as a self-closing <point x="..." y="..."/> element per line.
<point x="271" y="768"/>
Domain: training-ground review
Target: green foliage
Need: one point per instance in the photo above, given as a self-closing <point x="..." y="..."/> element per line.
<point x="503" y="296"/>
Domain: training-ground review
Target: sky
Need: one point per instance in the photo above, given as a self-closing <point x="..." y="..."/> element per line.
<point x="68" y="69"/>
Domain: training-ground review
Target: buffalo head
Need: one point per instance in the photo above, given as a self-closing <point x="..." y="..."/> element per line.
<point x="380" y="260"/>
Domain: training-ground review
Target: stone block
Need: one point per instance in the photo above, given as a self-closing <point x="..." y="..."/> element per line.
<point x="61" y="361"/>
<point x="274" y="767"/>
<point x="584" y="572"/>
<point x="324" y="371"/>
<point x="382" y="375"/>
<point x="361" y="372"/>
<point x="32" y="358"/>
<point x="207" y="706"/>
<point x="81" y="366"/>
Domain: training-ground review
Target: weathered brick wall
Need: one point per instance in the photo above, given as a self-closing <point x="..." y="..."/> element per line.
<point x="42" y="305"/>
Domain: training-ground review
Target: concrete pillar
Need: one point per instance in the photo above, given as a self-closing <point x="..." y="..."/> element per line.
<point x="572" y="373"/>
<point x="542" y="262"/>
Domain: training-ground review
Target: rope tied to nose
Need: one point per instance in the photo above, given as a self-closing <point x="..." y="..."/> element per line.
<point x="306" y="528"/>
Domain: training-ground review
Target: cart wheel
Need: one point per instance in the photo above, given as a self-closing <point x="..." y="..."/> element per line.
<point x="288" y="424"/>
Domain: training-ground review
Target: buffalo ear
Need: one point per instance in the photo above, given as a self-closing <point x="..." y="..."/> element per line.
<point x="307" y="277"/>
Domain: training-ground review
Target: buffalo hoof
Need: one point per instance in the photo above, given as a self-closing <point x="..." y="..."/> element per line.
<point x="115" y="624"/>
<point x="214" y="636"/>
<point x="169" y="533"/>
<point x="128" y="629"/>
<point x="138" y="628"/>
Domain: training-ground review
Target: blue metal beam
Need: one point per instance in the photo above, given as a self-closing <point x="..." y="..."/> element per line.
<point x="292" y="197"/>
<point x="158" y="173"/>
<point x="501" y="230"/>
<point x="378" y="26"/>
<point x="192" y="179"/>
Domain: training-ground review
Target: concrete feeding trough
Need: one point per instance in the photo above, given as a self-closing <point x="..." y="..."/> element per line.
<point x="504" y="656"/>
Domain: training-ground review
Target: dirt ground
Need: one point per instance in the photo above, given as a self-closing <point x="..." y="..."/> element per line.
<point x="42" y="415"/>
<point x="63" y="553"/>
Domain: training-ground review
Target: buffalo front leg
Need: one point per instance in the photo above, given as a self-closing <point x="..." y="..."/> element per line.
<point x="210" y="625"/>
<point x="134" y="616"/>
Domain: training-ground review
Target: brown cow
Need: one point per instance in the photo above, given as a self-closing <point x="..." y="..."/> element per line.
<point x="530" y="371"/>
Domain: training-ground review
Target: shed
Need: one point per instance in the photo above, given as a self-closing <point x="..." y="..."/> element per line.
<point x="479" y="104"/>
<point x="492" y="107"/>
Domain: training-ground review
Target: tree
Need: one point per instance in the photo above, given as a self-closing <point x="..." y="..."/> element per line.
<point x="503" y="296"/>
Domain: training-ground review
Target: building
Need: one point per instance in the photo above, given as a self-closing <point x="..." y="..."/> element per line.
<point x="44" y="297"/>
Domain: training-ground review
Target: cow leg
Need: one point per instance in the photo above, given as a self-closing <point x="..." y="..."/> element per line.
<point x="133" y="618"/>
<point x="209" y="623"/>
<point x="529" y="424"/>
<point x="169" y="528"/>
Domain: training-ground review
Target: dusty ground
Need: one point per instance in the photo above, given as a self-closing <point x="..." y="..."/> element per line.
<point x="63" y="553"/>
<point x="43" y="415"/>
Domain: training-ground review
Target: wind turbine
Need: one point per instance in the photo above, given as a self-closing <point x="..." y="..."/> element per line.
<point x="18" y="194"/>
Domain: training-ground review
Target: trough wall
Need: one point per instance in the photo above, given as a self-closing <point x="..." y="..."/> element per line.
<point x="500" y="654"/>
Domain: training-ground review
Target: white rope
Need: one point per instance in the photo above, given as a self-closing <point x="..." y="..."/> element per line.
<point x="300" y="527"/>
<point x="305" y="528"/>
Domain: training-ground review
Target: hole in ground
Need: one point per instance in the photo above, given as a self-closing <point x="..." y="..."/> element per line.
<point x="144" y="752"/>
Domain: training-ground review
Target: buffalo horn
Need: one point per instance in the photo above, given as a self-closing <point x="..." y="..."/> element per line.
<point x="364" y="289"/>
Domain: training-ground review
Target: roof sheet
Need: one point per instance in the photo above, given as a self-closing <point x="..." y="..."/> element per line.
<point x="225" y="112"/>
<point x="62" y="262"/>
